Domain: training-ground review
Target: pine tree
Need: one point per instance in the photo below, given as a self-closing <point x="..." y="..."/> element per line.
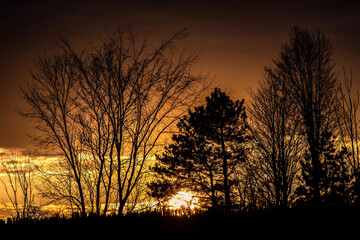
<point x="207" y="150"/>
<point x="335" y="184"/>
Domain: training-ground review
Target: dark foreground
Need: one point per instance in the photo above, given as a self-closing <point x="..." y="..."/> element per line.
<point x="324" y="223"/>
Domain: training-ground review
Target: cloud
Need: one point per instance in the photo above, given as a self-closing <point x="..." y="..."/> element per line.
<point x="12" y="151"/>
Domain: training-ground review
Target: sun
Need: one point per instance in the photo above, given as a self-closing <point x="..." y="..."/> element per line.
<point x="183" y="200"/>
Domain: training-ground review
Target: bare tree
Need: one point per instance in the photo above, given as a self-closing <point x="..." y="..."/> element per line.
<point x="348" y="121"/>
<point x="51" y="99"/>
<point x="19" y="186"/>
<point x="305" y="63"/>
<point x="106" y="110"/>
<point x="277" y="145"/>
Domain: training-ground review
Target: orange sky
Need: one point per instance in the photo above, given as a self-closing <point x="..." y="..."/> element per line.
<point x="238" y="38"/>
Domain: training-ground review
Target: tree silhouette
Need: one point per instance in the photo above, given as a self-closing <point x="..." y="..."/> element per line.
<point x="277" y="148"/>
<point x="209" y="148"/>
<point x="19" y="186"/>
<point x="305" y="63"/>
<point x="104" y="110"/>
<point x="335" y="184"/>
<point x="347" y="118"/>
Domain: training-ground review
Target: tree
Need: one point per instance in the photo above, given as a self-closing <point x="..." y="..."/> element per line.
<point x="207" y="150"/>
<point x="51" y="97"/>
<point x="348" y="127"/>
<point x="188" y="163"/>
<point x="105" y="110"/>
<point x="277" y="147"/>
<point x="305" y="63"/>
<point x="19" y="186"/>
<point x="335" y="179"/>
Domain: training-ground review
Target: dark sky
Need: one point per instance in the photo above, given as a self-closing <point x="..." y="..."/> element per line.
<point x="238" y="38"/>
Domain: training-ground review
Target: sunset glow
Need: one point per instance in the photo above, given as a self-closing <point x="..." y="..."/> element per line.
<point x="183" y="200"/>
<point x="179" y="119"/>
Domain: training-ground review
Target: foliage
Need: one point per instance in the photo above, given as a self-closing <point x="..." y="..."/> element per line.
<point x="335" y="185"/>
<point x="207" y="150"/>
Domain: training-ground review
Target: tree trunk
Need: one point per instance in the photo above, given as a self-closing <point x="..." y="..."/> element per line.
<point x="225" y="173"/>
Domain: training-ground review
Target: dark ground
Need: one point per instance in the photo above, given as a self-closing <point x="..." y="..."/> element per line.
<point x="298" y="223"/>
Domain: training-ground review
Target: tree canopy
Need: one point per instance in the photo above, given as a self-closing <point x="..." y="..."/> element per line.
<point x="207" y="151"/>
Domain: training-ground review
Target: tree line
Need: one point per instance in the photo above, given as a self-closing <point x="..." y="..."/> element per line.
<point x="126" y="121"/>
<point x="295" y="145"/>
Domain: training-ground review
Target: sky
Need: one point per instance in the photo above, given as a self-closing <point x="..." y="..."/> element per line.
<point x="237" y="38"/>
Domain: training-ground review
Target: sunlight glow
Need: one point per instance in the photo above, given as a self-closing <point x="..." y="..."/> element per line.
<point x="183" y="200"/>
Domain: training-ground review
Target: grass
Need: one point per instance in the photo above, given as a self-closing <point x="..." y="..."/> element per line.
<point x="152" y="225"/>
